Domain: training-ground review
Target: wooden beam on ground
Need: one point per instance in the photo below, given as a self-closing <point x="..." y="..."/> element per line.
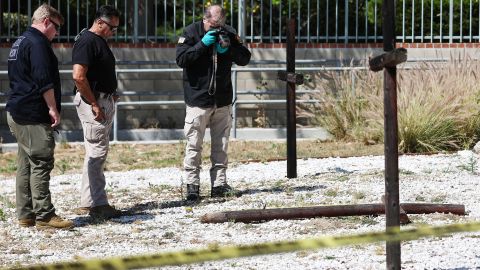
<point x="404" y="219"/>
<point x="257" y="215"/>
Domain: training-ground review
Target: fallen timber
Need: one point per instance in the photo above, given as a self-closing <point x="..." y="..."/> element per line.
<point x="257" y="215"/>
<point x="404" y="219"/>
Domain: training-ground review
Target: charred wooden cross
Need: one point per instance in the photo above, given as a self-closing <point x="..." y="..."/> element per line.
<point x="388" y="59"/>
<point x="258" y="215"/>
<point x="292" y="79"/>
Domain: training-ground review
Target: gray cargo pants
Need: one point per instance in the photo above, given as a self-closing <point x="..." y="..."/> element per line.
<point x="96" y="139"/>
<point x="196" y="121"/>
<point x="34" y="163"/>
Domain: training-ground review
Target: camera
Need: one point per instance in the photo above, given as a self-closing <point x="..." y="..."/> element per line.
<point x="223" y="37"/>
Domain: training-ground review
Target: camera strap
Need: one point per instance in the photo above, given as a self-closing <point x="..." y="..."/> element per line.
<point x="212" y="88"/>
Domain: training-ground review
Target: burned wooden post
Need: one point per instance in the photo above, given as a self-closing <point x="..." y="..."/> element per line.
<point x="392" y="198"/>
<point x="388" y="59"/>
<point x="256" y="215"/>
<point x="292" y="79"/>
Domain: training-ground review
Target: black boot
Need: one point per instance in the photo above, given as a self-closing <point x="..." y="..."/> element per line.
<point x="222" y="191"/>
<point x="193" y="192"/>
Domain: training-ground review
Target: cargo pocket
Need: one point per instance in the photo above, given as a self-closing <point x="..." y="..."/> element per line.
<point x="43" y="144"/>
<point x="189" y="119"/>
<point x="192" y="121"/>
<point x="192" y="115"/>
<point x="96" y="139"/>
<point x="94" y="132"/>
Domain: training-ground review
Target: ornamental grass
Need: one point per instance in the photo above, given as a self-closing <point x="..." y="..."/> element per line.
<point x="437" y="104"/>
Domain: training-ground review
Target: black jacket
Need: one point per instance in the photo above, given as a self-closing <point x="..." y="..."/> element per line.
<point x="196" y="60"/>
<point x="32" y="70"/>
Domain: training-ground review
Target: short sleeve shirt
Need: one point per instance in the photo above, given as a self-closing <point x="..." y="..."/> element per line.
<point x="92" y="50"/>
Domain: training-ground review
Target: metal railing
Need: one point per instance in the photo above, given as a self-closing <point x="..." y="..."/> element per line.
<point x="339" y="21"/>
<point x="236" y="93"/>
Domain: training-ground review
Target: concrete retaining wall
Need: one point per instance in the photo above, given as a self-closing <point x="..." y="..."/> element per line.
<point x="168" y="86"/>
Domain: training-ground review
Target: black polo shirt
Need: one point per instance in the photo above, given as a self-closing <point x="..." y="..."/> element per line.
<point x="92" y="50"/>
<point x="32" y="70"/>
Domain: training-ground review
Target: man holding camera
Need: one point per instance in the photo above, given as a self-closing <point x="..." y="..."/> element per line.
<point x="206" y="51"/>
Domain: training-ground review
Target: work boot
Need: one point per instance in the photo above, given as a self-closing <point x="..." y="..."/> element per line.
<point x="193" y="192"/>
<point x="55" y="222"/>
<point x="26" y="222"/>
<point x="105" y="212"/>
<point x="222" y="191"/>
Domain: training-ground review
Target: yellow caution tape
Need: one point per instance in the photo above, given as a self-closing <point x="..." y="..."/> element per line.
<point x="201" y="255"/>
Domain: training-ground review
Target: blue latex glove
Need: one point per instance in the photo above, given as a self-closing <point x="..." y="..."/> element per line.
<point x="219" y="48"/>
<point x="209" y="38"/>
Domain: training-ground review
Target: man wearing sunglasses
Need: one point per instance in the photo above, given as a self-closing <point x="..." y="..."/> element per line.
<point x="96" y="85"/>
<point x="33" y="111"/>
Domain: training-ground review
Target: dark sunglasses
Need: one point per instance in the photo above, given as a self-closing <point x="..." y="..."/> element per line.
<point x="113" y="28"/>
<point x="57" y="26"/>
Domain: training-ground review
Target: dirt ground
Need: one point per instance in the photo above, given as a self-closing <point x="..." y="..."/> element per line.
<point x="130" y="156"/>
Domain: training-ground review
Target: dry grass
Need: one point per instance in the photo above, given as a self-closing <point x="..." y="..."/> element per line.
<point x="125" y="157"/>
<point x="437" y="106"/>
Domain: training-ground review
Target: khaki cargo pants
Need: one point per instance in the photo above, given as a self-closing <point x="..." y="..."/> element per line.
<point x="96" y="138"/>
<point x="35" y="161"/>
<point x="196" y="121"/>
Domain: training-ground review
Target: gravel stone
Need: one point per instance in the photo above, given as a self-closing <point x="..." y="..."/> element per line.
<point x="162" y="222"/>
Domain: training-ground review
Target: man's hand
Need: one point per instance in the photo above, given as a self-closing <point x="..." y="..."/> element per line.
<point x="54" y="116"/>
<point x="97" y="112"/>
<point x="49" y="97"/>
<point x="209" y="38"/>
<point x="221" y="49"/>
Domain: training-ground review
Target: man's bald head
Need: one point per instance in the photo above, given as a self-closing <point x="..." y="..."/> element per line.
<point x="214" y="17"/>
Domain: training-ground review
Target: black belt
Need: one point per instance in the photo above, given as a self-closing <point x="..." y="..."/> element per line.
<point x="97" y="96"/>
<point x="103" y="95"/>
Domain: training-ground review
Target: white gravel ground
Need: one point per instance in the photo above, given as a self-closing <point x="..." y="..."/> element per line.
<point x="165" y="223"/>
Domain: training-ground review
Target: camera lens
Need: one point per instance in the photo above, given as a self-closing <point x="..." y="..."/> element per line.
<point x="224" y="40"/>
